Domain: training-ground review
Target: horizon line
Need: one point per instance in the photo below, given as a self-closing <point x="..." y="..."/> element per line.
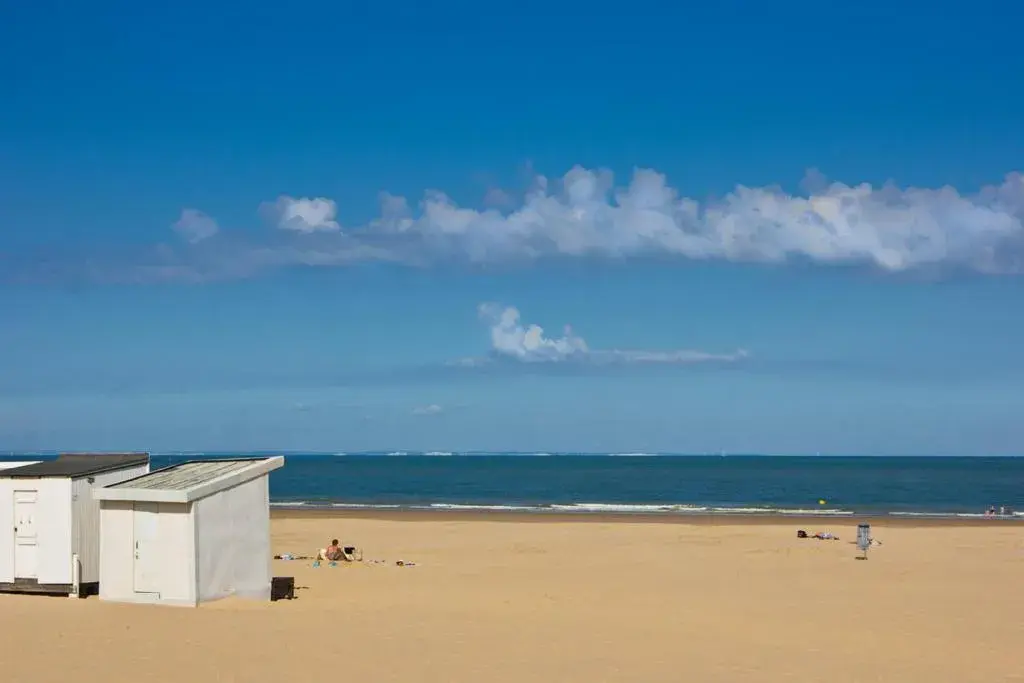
<point x="399" y="453"/>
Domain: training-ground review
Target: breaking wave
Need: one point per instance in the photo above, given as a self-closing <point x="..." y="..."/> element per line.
<point x="575" y="508"/>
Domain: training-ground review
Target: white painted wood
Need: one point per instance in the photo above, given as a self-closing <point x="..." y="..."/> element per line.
<point x="54" y="528"/>
<point x="66" y="522"/>
<point x="177" y="545"/>
<point x="147" y="547"/>
<point x="26" y="535"/>
<point x="117" y="550"/>
<point x="233" y="536"/>
<point x="6" y="531"/>
<point x="208" y="548"/>
<point x="52" y="531"/>
<point x="85" y="517"/>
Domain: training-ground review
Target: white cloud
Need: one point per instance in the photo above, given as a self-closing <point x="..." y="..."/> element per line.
<point x="584" y="215"/>
<point x="195" y="226"/>
<point x="510" y="339"/>
<point x="303" y="215"/>
<point x="432" y="409"/>
<point x="891" y="228"/>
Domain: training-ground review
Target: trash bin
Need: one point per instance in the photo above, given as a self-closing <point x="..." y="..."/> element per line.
<point x="863" y="537"/>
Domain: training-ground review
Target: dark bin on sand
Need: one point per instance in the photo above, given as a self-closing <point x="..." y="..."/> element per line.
<point x="282" y="588"/>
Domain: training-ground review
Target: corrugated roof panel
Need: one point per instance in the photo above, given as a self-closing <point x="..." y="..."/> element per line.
<point x="187" y="475"/>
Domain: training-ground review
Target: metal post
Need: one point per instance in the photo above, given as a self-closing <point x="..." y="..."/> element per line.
<point x="76" y="577"/>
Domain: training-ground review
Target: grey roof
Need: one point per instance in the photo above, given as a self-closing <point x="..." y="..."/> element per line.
<point x="75" y="465"/>
<point x="189" y="481"/>
<point x="186" y="475"/>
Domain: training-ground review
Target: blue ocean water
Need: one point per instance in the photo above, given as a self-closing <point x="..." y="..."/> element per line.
<point x="647" y="483"/>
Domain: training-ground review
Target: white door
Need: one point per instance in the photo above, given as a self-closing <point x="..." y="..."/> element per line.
<point x="147" y="549"/>
<point x="26" y="558"/>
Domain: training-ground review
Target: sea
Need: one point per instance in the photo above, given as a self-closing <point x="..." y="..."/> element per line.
<point x="640" y="483"/>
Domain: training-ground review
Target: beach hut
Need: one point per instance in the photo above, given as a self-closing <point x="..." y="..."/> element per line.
<point x="189" y="533"/>
<point x="50" y="524"/>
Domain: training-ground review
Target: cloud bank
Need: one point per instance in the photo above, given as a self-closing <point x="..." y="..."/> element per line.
<point x="432" y="409"/>
<point x="511" y="340"/>
<point x="584" y="214"/>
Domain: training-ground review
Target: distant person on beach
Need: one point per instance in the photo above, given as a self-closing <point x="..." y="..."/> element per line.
<point x="335" y="552"/>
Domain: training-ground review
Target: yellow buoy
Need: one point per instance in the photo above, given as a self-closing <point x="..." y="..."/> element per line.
<point x="821" y="501"/>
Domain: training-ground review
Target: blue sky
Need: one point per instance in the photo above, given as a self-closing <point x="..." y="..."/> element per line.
<point x="440" y="226"/>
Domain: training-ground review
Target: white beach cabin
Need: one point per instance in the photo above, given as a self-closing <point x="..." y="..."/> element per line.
<point x="50" y="524"/>
<point x="189" y="533"/>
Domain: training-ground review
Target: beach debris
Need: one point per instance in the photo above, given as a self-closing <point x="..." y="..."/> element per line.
<point x="820" y="535"/>
<point x="318" y="561"/>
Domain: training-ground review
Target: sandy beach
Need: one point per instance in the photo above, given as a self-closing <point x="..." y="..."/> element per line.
<point x="515" y="598"/>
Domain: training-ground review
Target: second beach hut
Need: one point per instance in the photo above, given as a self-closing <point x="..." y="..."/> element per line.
<point x="189" y="533"/>
<point x="50" y="524"/>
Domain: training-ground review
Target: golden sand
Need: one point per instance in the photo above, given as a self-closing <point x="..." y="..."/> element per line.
<point x="559" y="599"/>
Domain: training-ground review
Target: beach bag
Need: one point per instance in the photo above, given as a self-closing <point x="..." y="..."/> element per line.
<point x="801" y="533"/>
<point x="282" y="588"/>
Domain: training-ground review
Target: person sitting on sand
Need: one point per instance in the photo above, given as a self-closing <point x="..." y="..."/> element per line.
<point x="335" y="553"/>
<point x="339" y="553"/>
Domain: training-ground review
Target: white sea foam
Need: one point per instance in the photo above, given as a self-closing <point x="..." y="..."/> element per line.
<point x="364" y="506"/>
<point x="626" y="507"/>
<point x="325" y="504"/>
<point x="808" y="512"/>
<point x="439" y="453"/>
<point x="815" y="512"/>
<point x="583" y="508"/>
<point x="463" y="506"/>
<point x="921" y="514"/>
<point x="963" y="515"/>
<point x="694" y="509"/>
